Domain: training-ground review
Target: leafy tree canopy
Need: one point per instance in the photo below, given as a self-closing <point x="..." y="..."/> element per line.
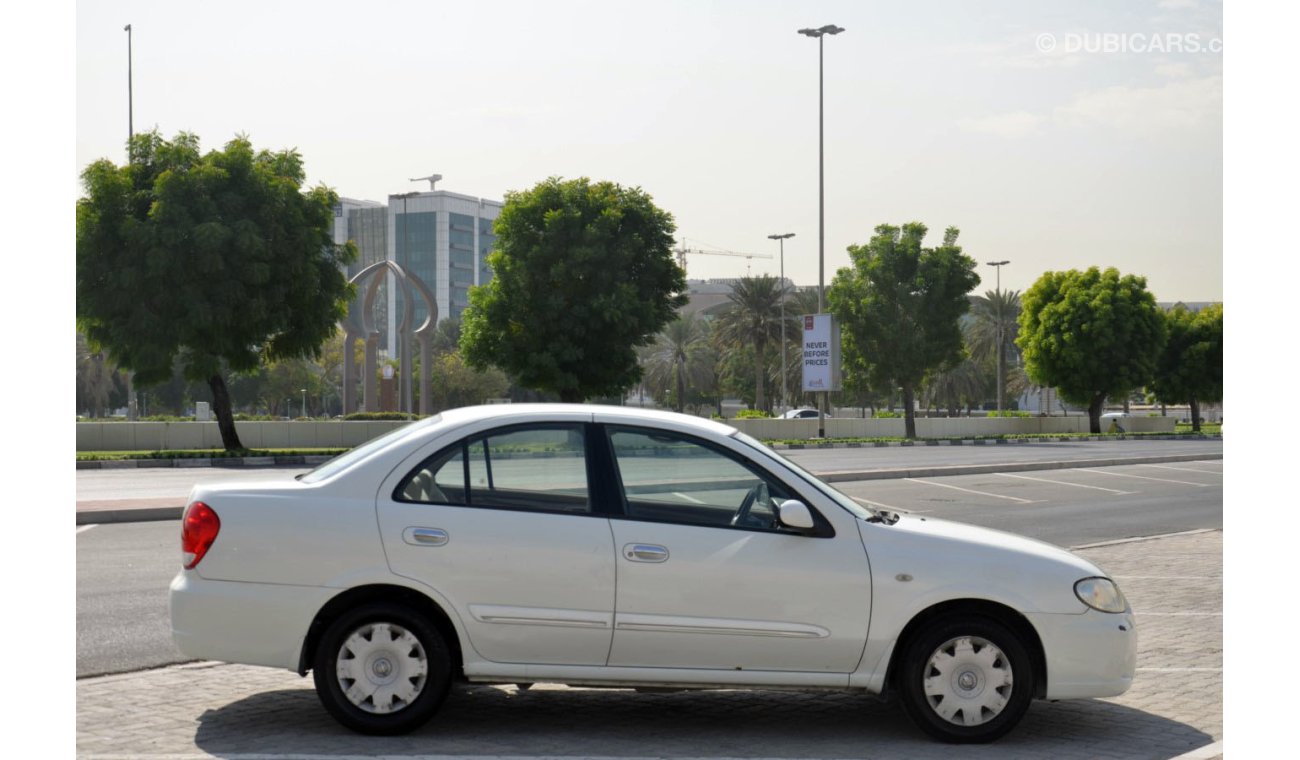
<point x="219" y="258"/>
<point x="1091" y="334"/>
<point x="899" y="305"/>
<point x="583" y="274"/>
<point x="1190" y="369"/>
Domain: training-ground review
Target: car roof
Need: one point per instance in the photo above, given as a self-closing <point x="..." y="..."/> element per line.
<point x="607" y="413"/>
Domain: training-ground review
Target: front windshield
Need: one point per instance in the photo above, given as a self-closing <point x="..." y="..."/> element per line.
<point x="348" y="458"/>
<point x="852" y="506"/>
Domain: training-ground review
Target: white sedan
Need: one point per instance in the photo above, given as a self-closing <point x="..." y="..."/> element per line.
<point x="608" y="546"/>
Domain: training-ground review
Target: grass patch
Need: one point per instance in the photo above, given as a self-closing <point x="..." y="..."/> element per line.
<point x="1207" y="428"/>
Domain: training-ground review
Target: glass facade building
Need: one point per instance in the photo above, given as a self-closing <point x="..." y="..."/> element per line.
<point x="441" y="237"/>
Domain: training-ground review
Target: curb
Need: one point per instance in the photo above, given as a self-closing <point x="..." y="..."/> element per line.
<point x="174" y="513"/>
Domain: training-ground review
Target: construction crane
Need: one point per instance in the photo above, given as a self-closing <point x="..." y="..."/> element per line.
<point x="682" y="250"/>
<point x="432" y="180"/>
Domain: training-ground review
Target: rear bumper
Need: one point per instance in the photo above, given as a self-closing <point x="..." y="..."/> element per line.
<point x="1088" y="655"/>
<point x="247" y="623"/>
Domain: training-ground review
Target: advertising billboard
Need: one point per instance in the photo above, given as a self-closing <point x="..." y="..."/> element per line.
<point x="821" y="353"/>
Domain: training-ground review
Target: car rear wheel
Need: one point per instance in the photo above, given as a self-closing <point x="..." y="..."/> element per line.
<point x="966" y="680"/>
<point x="381" y="669"/>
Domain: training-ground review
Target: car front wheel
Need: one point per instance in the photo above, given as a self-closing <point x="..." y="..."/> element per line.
<point x="966" y="680"/>
<point x="381" y="669"/>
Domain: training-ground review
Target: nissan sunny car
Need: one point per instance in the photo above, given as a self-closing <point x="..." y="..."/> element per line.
<point x="605" y="546"/>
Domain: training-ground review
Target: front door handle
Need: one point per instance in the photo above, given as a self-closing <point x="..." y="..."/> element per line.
<point x="425" y="536"/>
<point x="645" y="552"/>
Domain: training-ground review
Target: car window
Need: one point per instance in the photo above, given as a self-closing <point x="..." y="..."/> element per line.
<point x="348" y="458"/>
<point x="537" y="468"/>
<point x="674" y="478"/>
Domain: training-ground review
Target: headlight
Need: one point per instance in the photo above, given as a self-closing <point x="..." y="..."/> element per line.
<point x="1100" y="594"/>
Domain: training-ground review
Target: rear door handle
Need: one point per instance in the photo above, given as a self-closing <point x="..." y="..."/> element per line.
<point x="646" y="552"/>
<point x="425" y="536"/>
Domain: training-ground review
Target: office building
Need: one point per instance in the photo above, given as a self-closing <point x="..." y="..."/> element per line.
<point x="442" y="237"/>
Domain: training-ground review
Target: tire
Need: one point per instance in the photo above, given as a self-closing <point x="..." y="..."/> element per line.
<point x="966" y="680"/>
<point x="381" y="669"/>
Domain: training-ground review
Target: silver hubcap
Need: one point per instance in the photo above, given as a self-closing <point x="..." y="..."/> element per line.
<point x="968" y="681"/>
<point x="381" y="667"/>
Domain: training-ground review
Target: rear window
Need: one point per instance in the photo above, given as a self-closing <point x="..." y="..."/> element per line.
<point x="348" y="458"/>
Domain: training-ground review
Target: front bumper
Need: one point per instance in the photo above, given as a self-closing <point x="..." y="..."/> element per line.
<point x="247" y="623"/>
<point x="1089" y="655"/>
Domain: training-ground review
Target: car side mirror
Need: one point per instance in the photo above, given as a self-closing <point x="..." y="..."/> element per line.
<point x="794" y="514"/>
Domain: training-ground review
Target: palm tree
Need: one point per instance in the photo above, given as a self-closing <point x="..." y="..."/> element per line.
<point x="753" y="318"/>
<point x="675" y="360"/>
<point x="95" y="375"/>
<point x="994" y="326"/>
<point x="953" y="388"/>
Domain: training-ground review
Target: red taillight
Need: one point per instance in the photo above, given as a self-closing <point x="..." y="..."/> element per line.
<point x="199" y="529"/>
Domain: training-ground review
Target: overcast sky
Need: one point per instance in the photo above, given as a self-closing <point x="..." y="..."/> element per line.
<point x="1055" y="135"/>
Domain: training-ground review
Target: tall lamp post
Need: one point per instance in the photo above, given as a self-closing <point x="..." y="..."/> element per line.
<point x="130" y="137"/>
<point x="998" y="316"/>
<point x="405" y="395"/>
<point x="820" y="34"/>
<point x="130" y="96"/>
<point x="785" y="398"/>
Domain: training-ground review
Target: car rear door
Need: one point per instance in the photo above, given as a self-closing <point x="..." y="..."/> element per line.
<point x="503" y="524"/>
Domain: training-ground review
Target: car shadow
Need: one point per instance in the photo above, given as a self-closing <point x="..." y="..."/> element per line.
<point x="481" y="720"/>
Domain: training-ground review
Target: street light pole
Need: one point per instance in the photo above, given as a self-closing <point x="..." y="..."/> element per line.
<point x="130" y="96"/>
<point x="820" y="34"/>
<point x="130" y="155"/>
<point x="998" y="316"/>
<point x="785" y="398"/>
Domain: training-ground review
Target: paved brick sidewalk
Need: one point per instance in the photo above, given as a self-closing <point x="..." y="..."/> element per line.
<point x="231" y="711"/>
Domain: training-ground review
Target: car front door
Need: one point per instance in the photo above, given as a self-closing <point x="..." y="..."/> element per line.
<point x="707" y="578"/>
<point x="502" y="524"/>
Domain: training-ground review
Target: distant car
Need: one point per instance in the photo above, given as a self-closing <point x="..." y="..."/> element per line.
<point x="617" y="547"/>
<point x="800" y="414"/>
<point x="1116" y="415"/>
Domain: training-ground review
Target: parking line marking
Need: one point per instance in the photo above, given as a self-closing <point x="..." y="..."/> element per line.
<point x="691" y="499"/>
<point x="1064" y="483"/>
<point x="84" y="528"/>
<point x="967" y="490"/>
<point x="1184" y="469"/>
<point x="1144" y="477"/>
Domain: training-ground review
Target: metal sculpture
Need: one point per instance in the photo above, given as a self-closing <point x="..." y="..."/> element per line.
<point x="368" y="280"/>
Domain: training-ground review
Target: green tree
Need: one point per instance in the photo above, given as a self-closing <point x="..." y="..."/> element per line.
<point x="1091" y="335"/>
<point x="583" y="274"/>
<point x="457" y="384"/>
<point x="900" y="305"/>
<point x="1190" y="369"/>
<point x="753" y="319"/>
<point x="218" y="258"/>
